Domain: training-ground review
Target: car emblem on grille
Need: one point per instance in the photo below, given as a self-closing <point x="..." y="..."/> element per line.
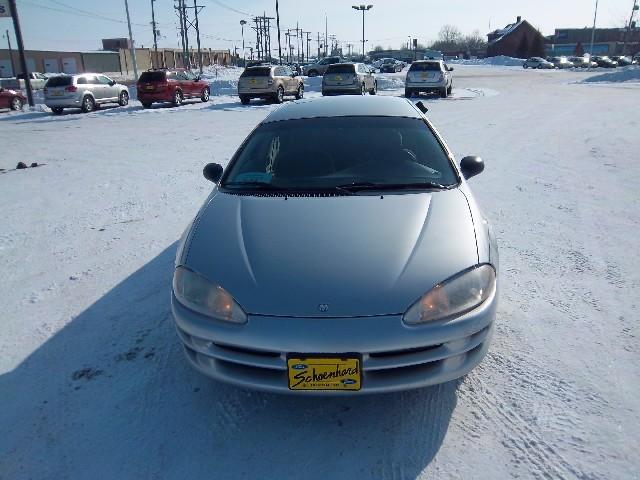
<point x="323" y="307"/>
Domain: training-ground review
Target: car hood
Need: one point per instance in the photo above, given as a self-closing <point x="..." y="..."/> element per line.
<point x="357" y="255"/>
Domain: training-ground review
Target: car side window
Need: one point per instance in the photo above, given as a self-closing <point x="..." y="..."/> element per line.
<point x="93" y="80"/>
<point x="181" y="76"/>
<point x="288" y="72"/>
<point x="104" y="80"/>
<point x="189" y="75"/>
<point x="81" y="81"/>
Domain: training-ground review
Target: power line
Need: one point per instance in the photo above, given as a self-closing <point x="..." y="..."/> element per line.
<point x="220" y="4"/>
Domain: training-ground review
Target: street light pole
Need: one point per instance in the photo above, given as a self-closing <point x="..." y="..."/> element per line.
<point x="244" y="60"/>
<point x="155" y="34"/>
<point x="13" y="9"/>
<point x="363" y="8"/>
<point x="593" y="31"/>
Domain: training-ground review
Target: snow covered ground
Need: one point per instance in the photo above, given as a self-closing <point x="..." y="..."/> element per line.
<point x="93" y="383"/>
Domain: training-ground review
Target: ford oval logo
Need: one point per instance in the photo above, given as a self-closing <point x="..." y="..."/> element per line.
<point x="299" y="366"/>
<point x="323" y="307"/>
<point x="348" y="381"/>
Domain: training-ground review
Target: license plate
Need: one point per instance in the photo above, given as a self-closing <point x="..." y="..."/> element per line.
<point x="253" y="81"/>
<point x="338" y="77"/>
<point x="324" y="373"/>
<point x="149" y="87"/>
<point x="56" y="93"/>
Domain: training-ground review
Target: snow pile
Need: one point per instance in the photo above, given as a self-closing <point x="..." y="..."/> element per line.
<point x="500" y="60"/>
<point x="223" y="80"/>
<point x="620" y="75"/>
<point x="390" y="82"/>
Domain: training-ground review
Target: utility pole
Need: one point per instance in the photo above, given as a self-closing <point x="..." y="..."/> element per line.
<point x="318" y="58"/>
<point x="326" y="34"/>
<point x="628" y="31"/>
<point x="23" y="60"/>
<point x="287" y="35"/>
<point x="593" y="31"/>
<point x="308" y="42"/>
<point x="155" y="35"/>
<point x="132" y="47"/>
<point x="187" y="53"/>
<point x="13" y="63"/>
<point x="363" y="8"/>
<point x="178" y="9"/>
<point x="278" y="24"/>
<point x="196" y="9"/>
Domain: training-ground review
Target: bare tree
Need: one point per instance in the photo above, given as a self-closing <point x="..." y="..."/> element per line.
<point x="449" y="34"/>
<point x="474" y="41"/>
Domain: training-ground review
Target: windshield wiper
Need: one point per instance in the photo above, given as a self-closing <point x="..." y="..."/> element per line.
<point x="358" y="186"/>
<point x="265" y="185"/>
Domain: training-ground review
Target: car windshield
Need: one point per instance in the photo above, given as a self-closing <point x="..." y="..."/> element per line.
<point x="425" y="67"/>
<point x="256" y="72"/>
<point x="341" y="68"/>
<point x="325" y="153"/>
<point x="60" y="81"/>
<point x="152" y="77"/>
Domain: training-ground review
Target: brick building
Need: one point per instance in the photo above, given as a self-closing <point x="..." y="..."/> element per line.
<point x="519" y="40"/>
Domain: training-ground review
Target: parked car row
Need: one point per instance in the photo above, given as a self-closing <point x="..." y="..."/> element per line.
<point x="88" y="91"/>
<point x="578" y="62"/>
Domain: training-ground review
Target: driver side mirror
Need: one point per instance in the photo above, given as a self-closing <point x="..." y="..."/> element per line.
<point x="197" y="78"/>
<point x="450" y="69"/>
<point x="471" y="166"/>
<point x="212" y="172"/>
<point x="112" y="83"/>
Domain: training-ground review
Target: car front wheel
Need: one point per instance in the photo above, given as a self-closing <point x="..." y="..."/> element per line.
<point x="300" y="92"/>
<point x="205" y="95"/>
<point x="123" y="101"/>
<point x="443" y="92"/>
<point x="57" y="110"/>
<point x="363" y="89"/>
<point x="374" y="90"/>
<point x="244" y="100"/>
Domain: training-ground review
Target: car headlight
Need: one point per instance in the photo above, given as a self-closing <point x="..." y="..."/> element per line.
<point x="199" y="294"/>
<point x="455" y="296"/>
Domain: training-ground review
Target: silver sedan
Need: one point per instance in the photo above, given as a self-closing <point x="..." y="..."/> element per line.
<point x="340" y="252"/>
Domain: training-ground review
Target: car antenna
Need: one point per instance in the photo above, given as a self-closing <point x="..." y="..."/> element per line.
<point x="422" y="107"/>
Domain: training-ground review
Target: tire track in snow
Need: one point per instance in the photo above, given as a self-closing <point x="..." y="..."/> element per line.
<point x="507" y="414"/>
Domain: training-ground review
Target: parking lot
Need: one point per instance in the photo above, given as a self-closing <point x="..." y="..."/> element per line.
<point x="92" y="377"/>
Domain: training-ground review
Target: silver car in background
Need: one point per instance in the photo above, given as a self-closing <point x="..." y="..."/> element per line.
<point x="85" y="91"/>
<point x="349" y="78"/>
<point x="269" y="82"/>
<point x="342" y="252"/>
<point x="430" y="76"/>
<point x="537" y="62"/>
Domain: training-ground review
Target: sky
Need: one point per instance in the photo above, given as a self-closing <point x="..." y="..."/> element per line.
<point x="79" y="25"/>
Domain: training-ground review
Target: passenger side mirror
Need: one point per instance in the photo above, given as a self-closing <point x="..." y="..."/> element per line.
<point x="197" y="78"/>
<point x="450" y="69"/>
<point x="471" y="166"/>
<point x="212" y="172"/>
<point x="112" y="83"/>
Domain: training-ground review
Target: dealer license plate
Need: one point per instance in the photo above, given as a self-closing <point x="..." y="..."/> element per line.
<point x="324" y="373"/>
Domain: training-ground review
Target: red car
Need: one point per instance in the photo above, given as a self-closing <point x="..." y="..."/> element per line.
<point x="11" y="99"/>
<point x="170" y="86"/>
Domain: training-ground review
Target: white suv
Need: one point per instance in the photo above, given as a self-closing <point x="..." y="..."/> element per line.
<point x="430" y="76"/>
<point x="84" y="91"/>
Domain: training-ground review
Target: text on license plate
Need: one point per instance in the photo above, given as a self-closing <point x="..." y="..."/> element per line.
<point x="324" y="373"/>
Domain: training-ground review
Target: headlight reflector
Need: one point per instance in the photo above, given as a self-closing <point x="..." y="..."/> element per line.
<point x="454" y="296"/>
<point x="197" y="293"/>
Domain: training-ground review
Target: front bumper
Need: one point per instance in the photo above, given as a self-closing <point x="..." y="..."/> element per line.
<point x="394" y="356"/>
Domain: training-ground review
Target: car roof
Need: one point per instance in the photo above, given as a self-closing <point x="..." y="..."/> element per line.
<point x="345" y="106"/>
